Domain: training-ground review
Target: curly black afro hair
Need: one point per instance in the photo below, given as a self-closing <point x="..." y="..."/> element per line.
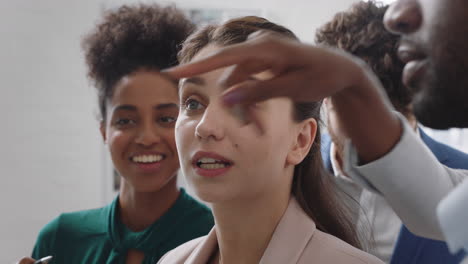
<point x="144" y="36"/>
<point x="361" y="31"/>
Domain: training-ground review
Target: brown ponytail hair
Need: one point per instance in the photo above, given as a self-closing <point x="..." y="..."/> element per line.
<point x="313" y="188"/>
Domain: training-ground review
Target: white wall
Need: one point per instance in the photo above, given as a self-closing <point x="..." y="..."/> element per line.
<point x="50" y="150"/>
<point x="51" y="156"/>
<point x="302" y="16"/>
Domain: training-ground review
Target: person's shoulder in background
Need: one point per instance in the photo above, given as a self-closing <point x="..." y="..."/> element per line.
<point x="54" y="235"/>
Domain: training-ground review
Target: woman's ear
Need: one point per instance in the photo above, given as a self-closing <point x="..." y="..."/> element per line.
<point x="307" y="130"/>
<point x="102" y="128"/>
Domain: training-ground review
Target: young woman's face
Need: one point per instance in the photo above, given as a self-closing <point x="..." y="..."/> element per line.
<point x="139" y="130"/>
<point x="223" y="158"/>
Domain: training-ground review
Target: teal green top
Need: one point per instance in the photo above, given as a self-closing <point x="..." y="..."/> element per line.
<point x="99" y="236"/>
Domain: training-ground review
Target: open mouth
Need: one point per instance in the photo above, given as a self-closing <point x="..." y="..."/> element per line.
<point x="212" y="164"/>
<point x="147" y="159"/>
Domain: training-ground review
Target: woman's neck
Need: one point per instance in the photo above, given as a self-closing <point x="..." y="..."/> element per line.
<point x="244" y="228"/>
<point x="138" y="210"/>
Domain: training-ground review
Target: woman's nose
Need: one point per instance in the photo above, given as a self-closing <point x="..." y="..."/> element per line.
<point x="147" y="136"/>
<point x="210" y="125"/>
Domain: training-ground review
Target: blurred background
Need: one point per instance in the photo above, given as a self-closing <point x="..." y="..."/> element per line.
<point x="52" y="159"/>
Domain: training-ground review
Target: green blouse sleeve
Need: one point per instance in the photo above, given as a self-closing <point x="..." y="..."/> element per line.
<point x="46" y="240"/>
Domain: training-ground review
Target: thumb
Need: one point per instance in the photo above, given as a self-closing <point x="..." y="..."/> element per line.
<point x="26" y="260"/>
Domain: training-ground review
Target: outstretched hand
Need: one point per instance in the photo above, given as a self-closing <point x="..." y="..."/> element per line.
<point x="305" y="73"/>
<point x="299" y="71"/>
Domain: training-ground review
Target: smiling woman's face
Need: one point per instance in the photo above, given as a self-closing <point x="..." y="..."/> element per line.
<point x="139" y="130"/>
<point x="221" y="157"/>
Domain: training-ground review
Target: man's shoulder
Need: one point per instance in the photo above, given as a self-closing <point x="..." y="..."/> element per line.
<point x="456" y="158"/>
<point x="447" y="155"/>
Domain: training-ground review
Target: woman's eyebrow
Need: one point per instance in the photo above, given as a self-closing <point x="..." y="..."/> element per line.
<point x="125" y="107"/>
<point x="193" y="80"/>
<point x="166" y="106"/>
<point x="132" y="108"/>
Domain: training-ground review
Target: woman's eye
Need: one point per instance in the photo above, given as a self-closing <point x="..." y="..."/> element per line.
<point x="167" y="119"/>
<point x="124" y="122"/>
<point x="192" y="105"/>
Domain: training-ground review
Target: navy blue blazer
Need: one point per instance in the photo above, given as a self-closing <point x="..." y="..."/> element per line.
<point x="409" y="248"/>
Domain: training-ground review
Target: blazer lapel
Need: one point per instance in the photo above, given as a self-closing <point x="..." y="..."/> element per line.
<point x="408" y="248"/>
<point x="291" y="236"/>
<point x="440" y="154"/>
<point x="202" y="253"/>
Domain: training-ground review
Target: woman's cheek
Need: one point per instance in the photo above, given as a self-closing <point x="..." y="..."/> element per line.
<point x="183" y="130"/>
<point x="116" y="138"/>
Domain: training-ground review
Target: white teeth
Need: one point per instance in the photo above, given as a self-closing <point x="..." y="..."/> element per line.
<point x="207" y="160"/>
<point x="212" y="166"/>
<point x="147" y="158"/>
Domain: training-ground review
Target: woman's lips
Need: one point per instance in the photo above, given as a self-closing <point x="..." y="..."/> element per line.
<point x="212" y="173"/>
<point x="149" y="167"/>
<point x="148" y="162"/>
<point x="210" y="164"/>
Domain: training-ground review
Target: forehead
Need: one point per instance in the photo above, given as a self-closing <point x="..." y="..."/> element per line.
<point x="206" y="80"/>
<point x="144" y="87"/>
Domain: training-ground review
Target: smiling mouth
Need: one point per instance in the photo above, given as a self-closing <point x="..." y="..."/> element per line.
<point x="147" y="159"/>
<point x="212" y="164"/>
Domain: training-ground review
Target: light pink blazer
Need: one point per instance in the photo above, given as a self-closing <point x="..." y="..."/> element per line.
<point x="295" y="240"/>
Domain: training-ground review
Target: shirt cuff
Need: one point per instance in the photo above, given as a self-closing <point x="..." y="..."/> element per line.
<point x="410" y="178"/>
<point x="453" y="213"/>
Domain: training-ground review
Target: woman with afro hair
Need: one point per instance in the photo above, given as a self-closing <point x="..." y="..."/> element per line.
<point x="138" y="107"/>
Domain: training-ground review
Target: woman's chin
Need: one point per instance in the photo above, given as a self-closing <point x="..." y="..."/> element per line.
<point x="209" y="196"/>
<point x="212" y="195"/>
<point x="152" y="184"/>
